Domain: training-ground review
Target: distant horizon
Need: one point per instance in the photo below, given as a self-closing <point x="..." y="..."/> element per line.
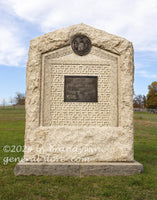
<point x="22" y="21"/>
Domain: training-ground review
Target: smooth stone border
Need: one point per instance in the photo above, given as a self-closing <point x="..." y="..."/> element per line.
<point x="79" y="169"/>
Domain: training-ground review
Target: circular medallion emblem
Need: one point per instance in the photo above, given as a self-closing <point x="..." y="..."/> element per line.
<point x="81" y="45"/>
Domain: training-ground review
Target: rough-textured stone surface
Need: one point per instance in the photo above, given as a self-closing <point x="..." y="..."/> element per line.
<point x="96" y="144"/>
<point x="79" y="169"/>
<point x="79" y="132"/>
<point x="118" y="144"/>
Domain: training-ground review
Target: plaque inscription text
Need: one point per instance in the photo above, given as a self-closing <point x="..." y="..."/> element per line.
<point x="80" y="88"/>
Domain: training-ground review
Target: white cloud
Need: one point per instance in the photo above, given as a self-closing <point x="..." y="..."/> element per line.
<point x="135" y="20"/>
<point x="145" y="65"/>
<point x="12" y="49"/>
<point x="12" y="52"/>
<point x="145" y="74"/>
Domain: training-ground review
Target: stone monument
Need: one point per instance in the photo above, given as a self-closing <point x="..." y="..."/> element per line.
<point x="79" y="109"/>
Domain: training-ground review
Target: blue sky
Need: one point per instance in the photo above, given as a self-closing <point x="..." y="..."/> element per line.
<point x="23" y="20"/>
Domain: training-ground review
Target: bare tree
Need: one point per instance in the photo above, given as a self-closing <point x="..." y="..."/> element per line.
<point x="12" y="102"/>
<point x="4" y="103"/>
<point x="139" y="101"/>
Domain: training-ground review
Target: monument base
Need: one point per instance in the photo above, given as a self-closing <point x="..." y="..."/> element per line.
<point x="79" y="169"/>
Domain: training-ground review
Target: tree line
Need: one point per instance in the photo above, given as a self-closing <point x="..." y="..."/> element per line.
<point x="19" y="99"/>
<point x="139" y="101"/>
<point x="148" y="101"/>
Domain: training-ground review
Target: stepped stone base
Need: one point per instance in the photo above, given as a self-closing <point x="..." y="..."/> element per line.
<point x="79" y="169"/>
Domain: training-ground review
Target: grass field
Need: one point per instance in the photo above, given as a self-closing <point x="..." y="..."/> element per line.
<point x="138" y="187"/>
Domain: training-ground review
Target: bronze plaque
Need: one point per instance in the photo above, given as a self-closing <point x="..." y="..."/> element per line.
<point x="81" y="45"/>
<point x="80" y="88"/>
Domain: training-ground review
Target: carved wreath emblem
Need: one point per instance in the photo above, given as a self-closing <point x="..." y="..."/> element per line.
<point x="81" y="45"/>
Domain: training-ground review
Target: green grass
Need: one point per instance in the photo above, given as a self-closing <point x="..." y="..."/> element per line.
<point x="137" y="187"/>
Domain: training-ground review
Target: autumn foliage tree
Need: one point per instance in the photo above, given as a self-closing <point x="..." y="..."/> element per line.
<point x="152" y="96"/>
<point x="20" y="99"/>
